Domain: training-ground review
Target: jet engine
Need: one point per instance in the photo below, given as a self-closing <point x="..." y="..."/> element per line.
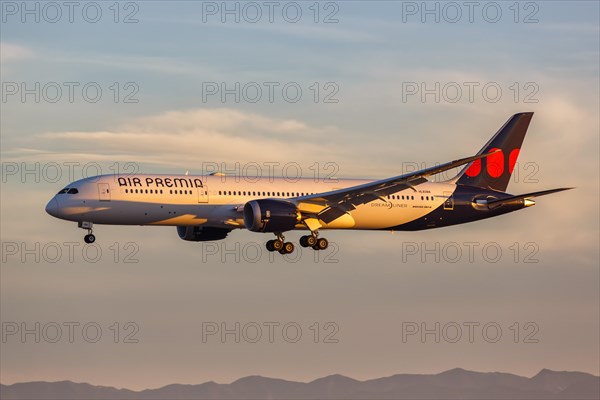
<point x="268" y="215"/>
<point x="201" y="234"/>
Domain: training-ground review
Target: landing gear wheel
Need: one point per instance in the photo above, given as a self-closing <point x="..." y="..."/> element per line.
<point x="277" y="244"/>
<point x="89" y="238"/>
<point x="308" y="241"/>
<point x="270" y="245"/>
<point x="321" y="244"/>
<point x="288" y="248"/>
<point x="303" y="241"/>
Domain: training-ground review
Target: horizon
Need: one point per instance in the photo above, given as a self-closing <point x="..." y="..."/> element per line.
<point x="310" y="381"/>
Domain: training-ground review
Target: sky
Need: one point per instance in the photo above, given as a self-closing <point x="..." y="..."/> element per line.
<point x="367" y="89"/>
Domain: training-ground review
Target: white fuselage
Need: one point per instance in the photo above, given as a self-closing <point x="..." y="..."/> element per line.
<point x="218" y="201"/>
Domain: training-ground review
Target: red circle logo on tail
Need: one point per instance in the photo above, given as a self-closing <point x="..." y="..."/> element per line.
<point x="474" y="169"/>
<point x="495" y="163"/>
<point x="512" y="160"/>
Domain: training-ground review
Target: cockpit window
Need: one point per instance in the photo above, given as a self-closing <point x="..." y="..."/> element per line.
<point x="68" y="191"/>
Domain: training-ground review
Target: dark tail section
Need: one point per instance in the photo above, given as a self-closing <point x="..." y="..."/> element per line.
<point x="494" y="172"/>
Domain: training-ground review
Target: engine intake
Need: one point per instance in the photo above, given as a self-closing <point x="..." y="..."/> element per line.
<point x="269" y="215"/>
<point x="201" y="234"/>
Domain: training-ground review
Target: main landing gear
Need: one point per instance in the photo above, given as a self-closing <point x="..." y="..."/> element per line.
<point x="284" y="247"/>
<point x="280" y="245"/>
<point x="313" y="241"/>
<point x="89" y="238"/>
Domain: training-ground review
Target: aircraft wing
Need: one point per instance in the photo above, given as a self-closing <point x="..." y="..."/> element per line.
<point x="328" y="206"/>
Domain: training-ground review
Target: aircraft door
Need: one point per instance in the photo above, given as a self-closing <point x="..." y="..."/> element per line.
<point x="449" y="203"/>
<point x="103" y="192"/>
<point x="202" y="194"/>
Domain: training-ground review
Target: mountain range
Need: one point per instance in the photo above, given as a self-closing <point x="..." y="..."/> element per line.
<point x="452" y="384"/>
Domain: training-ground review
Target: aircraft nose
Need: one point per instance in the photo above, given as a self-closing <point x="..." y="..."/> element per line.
<point x="52" y="207"/>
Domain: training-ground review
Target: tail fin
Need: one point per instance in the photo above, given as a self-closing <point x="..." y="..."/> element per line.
<point x="494" y="172"/>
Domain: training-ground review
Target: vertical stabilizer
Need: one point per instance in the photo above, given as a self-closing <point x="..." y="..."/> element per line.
<point x="494" y="172"/>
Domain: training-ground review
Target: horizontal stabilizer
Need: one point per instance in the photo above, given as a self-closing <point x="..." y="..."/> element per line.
<point x="524" y="197"/>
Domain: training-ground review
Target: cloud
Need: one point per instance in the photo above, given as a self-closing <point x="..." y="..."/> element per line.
<point x="188" y="138"/>
<point x="12" y="51"/>
<point x="136" y="63"/>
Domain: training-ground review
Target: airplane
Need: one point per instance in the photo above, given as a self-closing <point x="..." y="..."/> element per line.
<point x="209" y="207"/>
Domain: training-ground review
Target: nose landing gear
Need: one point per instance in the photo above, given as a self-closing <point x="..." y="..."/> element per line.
<point x="89" y="238"/>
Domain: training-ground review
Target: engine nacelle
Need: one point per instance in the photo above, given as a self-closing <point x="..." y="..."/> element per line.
<point x="267" y="215"/>
<point x="201" y="234"/>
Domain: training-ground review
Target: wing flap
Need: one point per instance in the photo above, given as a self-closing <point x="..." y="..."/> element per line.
<point x="330" y="214"/>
